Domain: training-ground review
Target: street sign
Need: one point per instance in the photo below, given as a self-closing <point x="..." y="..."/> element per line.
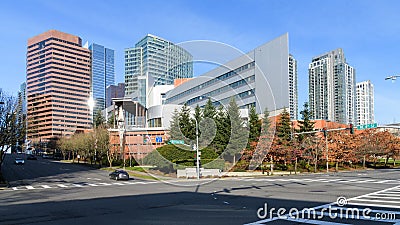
<point x="177" y="142"/>
<point x="367" y="126"/>
<point x="158" y="139"/>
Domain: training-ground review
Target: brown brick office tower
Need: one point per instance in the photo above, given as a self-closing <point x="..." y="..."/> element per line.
<point x="58" y="85"/>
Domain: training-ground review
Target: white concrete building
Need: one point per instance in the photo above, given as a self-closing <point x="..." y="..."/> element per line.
<point x="365" y="103"/>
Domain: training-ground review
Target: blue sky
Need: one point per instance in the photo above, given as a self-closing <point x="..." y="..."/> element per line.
<point x="368" y="32"/>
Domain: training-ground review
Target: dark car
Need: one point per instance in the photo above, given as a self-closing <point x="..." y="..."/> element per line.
<point x="119" y="175"/>
<point x="31" y="157"/>
<point x="19" y="161"/>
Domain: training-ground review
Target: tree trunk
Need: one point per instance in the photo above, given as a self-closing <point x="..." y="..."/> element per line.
<point x="364" y="162"/>
<point x="337" y="166"/>
<point x="272" y="166"/>
<point x="295" y="167"/>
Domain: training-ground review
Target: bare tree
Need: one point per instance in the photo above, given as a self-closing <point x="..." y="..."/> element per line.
<point x="12" y="130"/>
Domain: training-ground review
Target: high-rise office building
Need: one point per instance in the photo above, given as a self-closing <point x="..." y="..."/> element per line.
<point x="154" y="61"/>
<point x="58" y="85"/>
<point x="293" y="96"/>
<point x="365" y="103"/>
<point x="332" y="88"/>
<point x="21" y="106"/>
<point x="103" y="74"/>
<point x="114" y="91"/>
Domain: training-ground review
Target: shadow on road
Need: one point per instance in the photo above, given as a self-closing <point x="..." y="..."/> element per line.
<point x="40" y="168"/>
<point x="177" y="208"/>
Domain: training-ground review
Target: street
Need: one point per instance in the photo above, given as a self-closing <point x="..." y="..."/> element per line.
<point x="50" y="192"/>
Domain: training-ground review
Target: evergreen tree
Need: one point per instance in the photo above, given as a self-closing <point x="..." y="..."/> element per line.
<point x="283" y="129"/>
<point x="238" y="132"/>
<point x="208" y="125"/>
<point x="198" y="118"/>
<point x="197" y="114"/>
<point x="254" y="126"/>
<point x="265" y="141"/>
<point x="174" y="129"/>
<point x="209" y="110"/>
<point x="186" y="124"/>
<point x="98" y="119"/>
<point x="110" y="122"/>
<point x="223" y="131"/>
<point x="306" y="124"/>
<point x="266" y="123"/>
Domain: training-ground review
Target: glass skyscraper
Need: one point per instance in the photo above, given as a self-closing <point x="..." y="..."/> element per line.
<point x="103" y="74"/>
<point x="154" y="61"/>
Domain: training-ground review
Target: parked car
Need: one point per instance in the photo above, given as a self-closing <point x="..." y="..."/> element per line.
<point x="19" y="161"/>
<point x="119" y="175"/>
<point x="46" y="155"/>
<point x="31" y="157"/>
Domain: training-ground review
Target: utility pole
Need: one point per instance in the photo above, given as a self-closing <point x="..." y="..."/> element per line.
<point x="326" y="147"/>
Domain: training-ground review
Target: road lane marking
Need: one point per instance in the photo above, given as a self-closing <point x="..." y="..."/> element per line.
<point x="29" y="187"/>
<point x="46" y="186"/>
<point x="62" y="185"/>
<point x="104" y="184"/>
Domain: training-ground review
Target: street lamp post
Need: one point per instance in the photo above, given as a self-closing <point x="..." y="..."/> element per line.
<point x="393" y="78"/>
<point x="197" y="150"/>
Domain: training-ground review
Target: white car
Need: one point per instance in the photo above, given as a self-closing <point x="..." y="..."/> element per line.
<point x="19" y="161"/>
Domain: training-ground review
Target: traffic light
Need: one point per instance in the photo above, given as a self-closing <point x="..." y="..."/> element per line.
<point x="325" y="131"/>
<point x="351" y="129"/>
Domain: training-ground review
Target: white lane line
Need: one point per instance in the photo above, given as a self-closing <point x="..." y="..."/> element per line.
<point x="318" y="222"/>
<point x="29" y="187"/>
<point x="93" y="185"/>
<point x="365" y="181"/>
<point x="152" y="182"/>
<point x="127" y="182"/>
<point x="139" y="182"/>
<point x="78" y="185"/>
<point x="104" y="184"/>
<point x="46" y="186"/>
<point x="118" y="183"/>
<point x="15" y="188"/>
<point x="62" y="185"/>
<point x="383" y="181"/>
<point x="374" y="200"/>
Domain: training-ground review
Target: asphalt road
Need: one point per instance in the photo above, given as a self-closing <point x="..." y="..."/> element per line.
<point x="50" y="192"/>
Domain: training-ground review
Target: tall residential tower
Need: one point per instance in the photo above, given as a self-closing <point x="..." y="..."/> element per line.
<point x="332" y="88"/>
<point x="365" y="102"/>
<point x="154" y="61"/>
<point x="58" y="72"/>
<point x="293" y="96"/>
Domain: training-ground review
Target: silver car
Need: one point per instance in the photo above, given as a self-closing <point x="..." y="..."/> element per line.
<point x="19" y="161"/>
